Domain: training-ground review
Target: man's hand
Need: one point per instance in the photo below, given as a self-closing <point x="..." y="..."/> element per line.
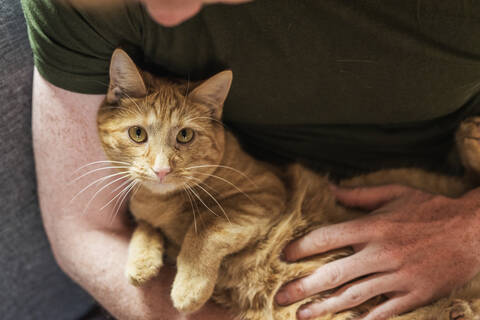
<point x="415" y="247"/>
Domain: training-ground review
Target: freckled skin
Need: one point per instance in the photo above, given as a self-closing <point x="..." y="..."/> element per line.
<point x="227" y="232"/>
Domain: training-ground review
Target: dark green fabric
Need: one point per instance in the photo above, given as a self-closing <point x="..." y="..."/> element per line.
<point x="347" y="86"/>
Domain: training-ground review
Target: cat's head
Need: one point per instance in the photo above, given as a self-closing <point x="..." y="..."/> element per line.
<point x="167" y="134"/>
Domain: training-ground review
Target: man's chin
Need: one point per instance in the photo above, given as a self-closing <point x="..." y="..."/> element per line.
<point x="171" y="17"/>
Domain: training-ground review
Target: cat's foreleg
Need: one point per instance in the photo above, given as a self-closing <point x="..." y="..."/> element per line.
<point x="199" y="261"/>
<point x="145" y="254"/>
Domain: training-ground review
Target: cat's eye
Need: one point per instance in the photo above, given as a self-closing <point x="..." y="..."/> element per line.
<point x="137" y="134"/>
<point x="185" y="135"/>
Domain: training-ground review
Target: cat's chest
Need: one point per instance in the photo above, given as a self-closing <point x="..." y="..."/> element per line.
<point x="165" y="213"/>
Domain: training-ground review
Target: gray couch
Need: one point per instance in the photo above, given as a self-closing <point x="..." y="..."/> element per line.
<point x="31" y="284"/>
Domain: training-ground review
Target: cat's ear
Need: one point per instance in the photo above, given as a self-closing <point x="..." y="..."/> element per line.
<point x="125" y="78"/>
<point x="214" y="91"/>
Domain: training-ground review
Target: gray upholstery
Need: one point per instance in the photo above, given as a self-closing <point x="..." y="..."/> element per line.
<point x="31" y="284"/>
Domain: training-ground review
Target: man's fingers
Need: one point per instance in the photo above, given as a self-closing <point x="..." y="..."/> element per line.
<point x="369" y="198"/>
<point x="329" y="276"/>
<point x="350" y="296"/>
<point x="328" y="238"/>
<point x="393" y="307"/>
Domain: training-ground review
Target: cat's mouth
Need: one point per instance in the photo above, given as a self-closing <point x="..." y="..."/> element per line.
<point x="160" y="186"/>
<point x="162" y="183"/>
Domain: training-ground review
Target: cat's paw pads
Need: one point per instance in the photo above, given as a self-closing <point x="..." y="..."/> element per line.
<point x="460" y="310"/>
<point x="190" y="293"/>
<point x="138" y="273"/>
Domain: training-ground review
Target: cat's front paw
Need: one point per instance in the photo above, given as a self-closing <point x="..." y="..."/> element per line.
<point x="145" y="254"/>
<point x="191" y="291"/>
<point x="139" y="270"/>
<point x="139" y="276"/>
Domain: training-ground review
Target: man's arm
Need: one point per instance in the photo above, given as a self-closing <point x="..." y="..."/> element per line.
<point x="89" y="245"/>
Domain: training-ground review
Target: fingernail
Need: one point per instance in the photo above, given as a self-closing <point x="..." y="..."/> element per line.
<point x="282" y="297"/>
<point x="304" y="313"/>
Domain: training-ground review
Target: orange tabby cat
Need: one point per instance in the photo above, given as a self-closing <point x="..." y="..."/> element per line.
<point x="223" y="216"/>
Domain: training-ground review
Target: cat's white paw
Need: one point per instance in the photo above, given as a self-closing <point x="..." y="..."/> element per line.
<point x="139" y="272"/>
<point x="191" y="291"/>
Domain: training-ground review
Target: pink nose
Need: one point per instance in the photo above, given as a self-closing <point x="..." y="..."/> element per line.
<point x="161" y="173"/>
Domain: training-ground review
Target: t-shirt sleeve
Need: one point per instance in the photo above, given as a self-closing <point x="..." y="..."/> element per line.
<point x="72" y="47"/>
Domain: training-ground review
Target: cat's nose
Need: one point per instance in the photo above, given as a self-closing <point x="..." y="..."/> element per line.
<point x="162" y="172"/>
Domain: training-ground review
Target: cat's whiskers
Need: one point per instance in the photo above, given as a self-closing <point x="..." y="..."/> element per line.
<point x="96" y="170"/>
<point x="211" y="196"/>
<point x="139" y="185"/>
<point x="226" y="181"/>
<point x="212" y="189"/>
<point x="126" y="192"/>
<point x="101" y="179"/>
<point x="113" y="191"/>
<point x="129" y="182"/>
<point x="120" y="186"/>
<point x="120" y="194"/>
<point x="225" y="167"/>
<point x="193" y="210"/>
<point x="195" y="203"/>
<point x="201" y="182"/>
<point x="200" y="199"/>
<point x="101" y="161"/>
<point x="103" y="188"/>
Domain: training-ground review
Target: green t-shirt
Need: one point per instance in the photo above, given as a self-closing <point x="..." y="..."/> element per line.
<point x="345" y="86"/>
